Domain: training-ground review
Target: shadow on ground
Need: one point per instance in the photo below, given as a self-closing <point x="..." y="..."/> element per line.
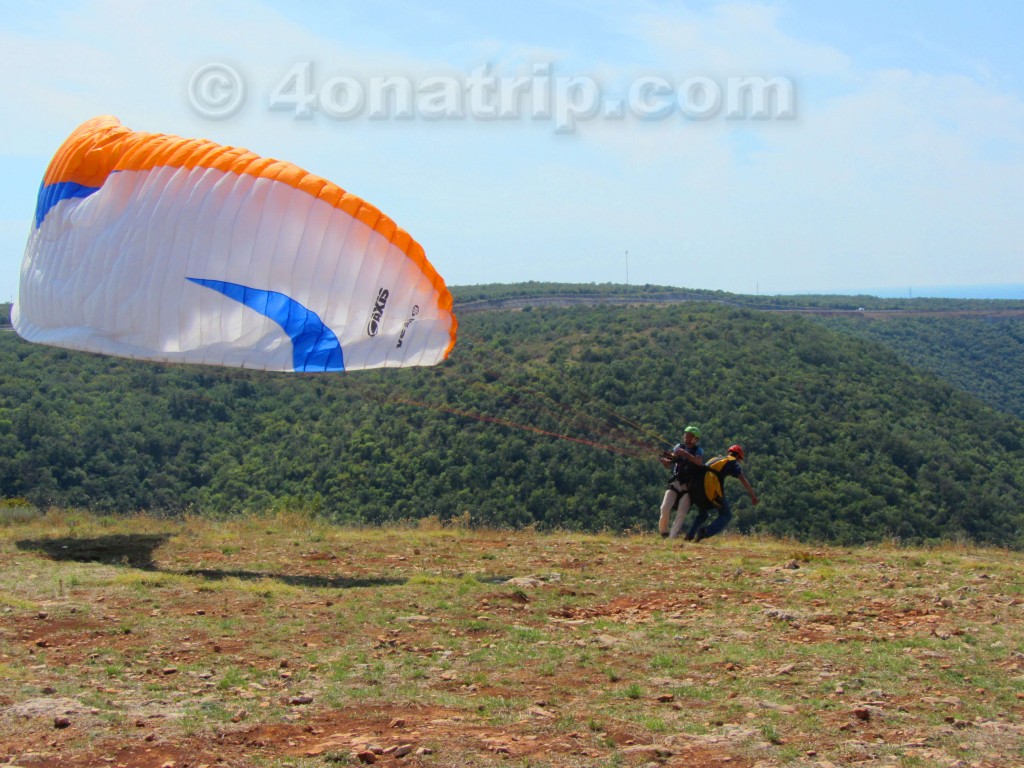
<point x="328" y="582"/>
<point x="132" y="549"/>
<point x="136" y="551"/>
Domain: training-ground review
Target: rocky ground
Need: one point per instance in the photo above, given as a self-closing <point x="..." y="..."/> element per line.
<point x="285" y="642"/>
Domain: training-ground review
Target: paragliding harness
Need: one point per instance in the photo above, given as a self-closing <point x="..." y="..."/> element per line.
<point x="680" y="478"/>
<point x="706" y="489"/>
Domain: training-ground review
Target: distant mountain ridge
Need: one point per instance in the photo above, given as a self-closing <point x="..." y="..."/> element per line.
<point x="947" y="339"/>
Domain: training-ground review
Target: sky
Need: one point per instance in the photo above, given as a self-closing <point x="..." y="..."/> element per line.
<point x="769" y="147"/>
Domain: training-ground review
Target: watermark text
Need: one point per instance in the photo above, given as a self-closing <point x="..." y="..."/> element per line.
<point x="218" y="91"/>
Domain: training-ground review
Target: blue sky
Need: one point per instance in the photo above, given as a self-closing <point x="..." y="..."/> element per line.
<point x="896" y="165"/>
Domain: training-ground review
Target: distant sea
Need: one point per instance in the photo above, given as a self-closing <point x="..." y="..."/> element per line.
<point x="1011" y="291"/>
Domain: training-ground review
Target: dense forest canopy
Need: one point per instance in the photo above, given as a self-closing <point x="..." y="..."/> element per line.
<point x="982" y="355"/>
<point x="848" y="439"/>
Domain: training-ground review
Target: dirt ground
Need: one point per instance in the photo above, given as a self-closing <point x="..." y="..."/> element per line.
<point x="180" y="653"/>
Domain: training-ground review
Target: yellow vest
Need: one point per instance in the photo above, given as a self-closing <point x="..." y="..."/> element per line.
<point x="713" y="490"/>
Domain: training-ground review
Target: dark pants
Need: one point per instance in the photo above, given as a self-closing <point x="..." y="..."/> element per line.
<point x="716" y="526"/>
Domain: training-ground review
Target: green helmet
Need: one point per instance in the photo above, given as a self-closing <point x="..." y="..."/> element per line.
<point x="693" y="431"/>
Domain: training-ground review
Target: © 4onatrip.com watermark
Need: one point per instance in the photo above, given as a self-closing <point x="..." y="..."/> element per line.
<point x="218" y="91"/>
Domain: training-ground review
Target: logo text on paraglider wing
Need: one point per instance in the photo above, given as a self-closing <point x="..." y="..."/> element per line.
<point x="378" y="312"/>
<point x="410" y="321"/>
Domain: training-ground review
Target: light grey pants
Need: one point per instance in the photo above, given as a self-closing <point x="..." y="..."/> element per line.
<point x="672" y="495"/>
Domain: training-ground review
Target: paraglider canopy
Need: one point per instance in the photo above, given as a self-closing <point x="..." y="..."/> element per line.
<point x="156" y="247"/>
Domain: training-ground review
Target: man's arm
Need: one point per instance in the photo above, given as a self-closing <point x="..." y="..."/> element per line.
<point x="693" y="458"/>
<point x="750" y="490"/>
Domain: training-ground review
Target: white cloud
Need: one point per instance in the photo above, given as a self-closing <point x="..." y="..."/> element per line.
<point x="885" y="177"/>
<point x="735" y="38"/>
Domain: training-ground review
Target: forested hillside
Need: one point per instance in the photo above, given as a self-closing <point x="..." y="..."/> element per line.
<point x="980" y="355"/>
<point x="846" y="442"/>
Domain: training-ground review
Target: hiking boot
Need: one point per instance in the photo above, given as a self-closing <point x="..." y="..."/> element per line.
<point x="701" y="534"/>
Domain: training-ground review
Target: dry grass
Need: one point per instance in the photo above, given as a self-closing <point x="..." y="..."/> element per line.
<point x="283" y="641"/>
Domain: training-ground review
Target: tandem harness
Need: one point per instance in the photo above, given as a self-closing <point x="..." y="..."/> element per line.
<point x="682" y="473"/>
<point x="705" y="486"/>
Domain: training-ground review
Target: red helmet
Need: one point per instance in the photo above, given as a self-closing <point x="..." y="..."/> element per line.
<point x="737" y="449"/>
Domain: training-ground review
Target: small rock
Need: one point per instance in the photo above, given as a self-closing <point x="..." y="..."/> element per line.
<point x="367" y="757"/>
<point x="61" y="722"/>
<point x="298" y="700"/>
<point x="526" y="581"/>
